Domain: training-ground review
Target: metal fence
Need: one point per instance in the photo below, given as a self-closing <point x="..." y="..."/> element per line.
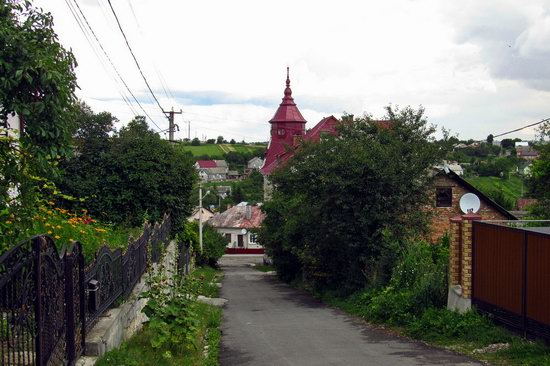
<point x="49" y="299"/>
<point x="511" y="275"/>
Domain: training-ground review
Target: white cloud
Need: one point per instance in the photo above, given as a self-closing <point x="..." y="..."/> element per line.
<point x="477" y="67"/>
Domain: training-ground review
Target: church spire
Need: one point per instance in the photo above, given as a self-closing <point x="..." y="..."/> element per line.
<point x="288" y="91"/>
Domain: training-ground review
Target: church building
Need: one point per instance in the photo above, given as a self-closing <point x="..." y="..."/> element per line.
<point x="288" y="130"/>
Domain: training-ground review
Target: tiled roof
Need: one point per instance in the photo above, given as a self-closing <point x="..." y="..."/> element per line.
<point x="236" y="217"/>
<point x="207" y="163"/>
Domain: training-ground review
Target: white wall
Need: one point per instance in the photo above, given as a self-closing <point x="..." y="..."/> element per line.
<point x="235" y="232"/>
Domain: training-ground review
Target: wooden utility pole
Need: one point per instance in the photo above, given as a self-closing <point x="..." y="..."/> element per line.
<point x="171" y="125"/>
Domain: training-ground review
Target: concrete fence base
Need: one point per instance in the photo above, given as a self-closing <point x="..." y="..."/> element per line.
<point x="119" y="324"/>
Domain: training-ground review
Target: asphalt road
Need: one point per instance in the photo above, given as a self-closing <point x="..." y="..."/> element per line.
<point x="266" y="322"/>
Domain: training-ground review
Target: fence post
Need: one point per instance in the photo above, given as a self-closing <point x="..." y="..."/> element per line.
<point x="68" y="262"/>
<point x="467" y="246"/>
<point x="524" y="284"/>
<point x="36" y="245"/>
<point x="455" y="251"/>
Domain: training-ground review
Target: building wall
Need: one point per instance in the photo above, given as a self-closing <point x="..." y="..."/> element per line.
<point x="441" y="215"/>
<point x="235" y="232"/>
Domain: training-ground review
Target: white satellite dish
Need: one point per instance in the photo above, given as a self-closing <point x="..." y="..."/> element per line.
<point x="243" y="231"/>
<point x="469" y="203"/>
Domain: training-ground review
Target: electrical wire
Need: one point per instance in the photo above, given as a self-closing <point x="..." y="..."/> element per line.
<point x="524" y="127"/>
<point x="110" y="61"/>
<point x="134" y="56"/>
<point x="89" y="40"/>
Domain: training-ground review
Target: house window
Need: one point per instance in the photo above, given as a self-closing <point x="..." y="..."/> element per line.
<point x="228" y="238"/>
<point x="281" y="131"/>
<point x="444" y="197"/>
<point x="253" y="238"/>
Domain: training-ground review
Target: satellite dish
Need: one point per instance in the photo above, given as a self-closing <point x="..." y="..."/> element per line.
<point x="469" y="203"/>
<point x="243" y="231"/>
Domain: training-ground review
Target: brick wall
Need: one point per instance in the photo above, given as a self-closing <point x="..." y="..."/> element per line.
<point x="442" y="215"/>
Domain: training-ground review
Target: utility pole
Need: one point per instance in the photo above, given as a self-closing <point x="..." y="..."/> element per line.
<point x="171" y="125"/>
<point x="200" y="213"/>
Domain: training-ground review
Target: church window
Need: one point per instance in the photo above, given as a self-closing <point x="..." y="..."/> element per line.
<point x="280" y="131"/>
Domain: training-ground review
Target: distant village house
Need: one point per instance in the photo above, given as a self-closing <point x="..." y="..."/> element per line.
<point x="212" y="170"/>
<point x="237" y="224"/>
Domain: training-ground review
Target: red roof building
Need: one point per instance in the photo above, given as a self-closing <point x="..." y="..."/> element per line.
<point x="288" y="129"/>
<point x="203" y="164"/>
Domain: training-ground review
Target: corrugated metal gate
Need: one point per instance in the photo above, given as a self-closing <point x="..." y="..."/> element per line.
<point x="511" y="276"/>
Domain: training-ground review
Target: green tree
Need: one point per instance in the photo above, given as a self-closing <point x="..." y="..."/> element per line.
<point x="37" y="82"/>
<point x="195" y="142"/>
<point x="342" y="208"/>
<point x="213" y="245"/>
<point x="233" y="142"/>
<point x="219" y="140"/>
<point x="490" y="139"/>
<point x="539" y="181"/>
<point x="138" y="175"/>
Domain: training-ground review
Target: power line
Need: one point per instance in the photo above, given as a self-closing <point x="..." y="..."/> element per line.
<point x="134" y="56"/>
<point x="524" y="127"/>
<point x="89" y="40"/>
<point x="110" y="61"/>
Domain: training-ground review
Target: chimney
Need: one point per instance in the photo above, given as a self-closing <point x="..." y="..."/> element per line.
<point x="248" y="212"/>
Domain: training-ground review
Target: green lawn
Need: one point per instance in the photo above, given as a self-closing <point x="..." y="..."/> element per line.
<point x="217" y="151"/>
<point x="509" y="189"/>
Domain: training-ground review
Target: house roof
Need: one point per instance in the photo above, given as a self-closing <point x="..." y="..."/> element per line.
<point x="207" y="164"/>
<point x="287" y="111"/>
<point x="478" y="193"/>
<point x="326" y="125"/>
<point x="236" y="217"/>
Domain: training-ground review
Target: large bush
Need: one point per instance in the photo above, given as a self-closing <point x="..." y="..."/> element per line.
<point x="131" y="176"/>
<point x="342" y="208"/>
<point x="213" y="243"/>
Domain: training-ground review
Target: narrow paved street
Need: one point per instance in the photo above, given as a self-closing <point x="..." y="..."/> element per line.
<point x="266" y="322"/>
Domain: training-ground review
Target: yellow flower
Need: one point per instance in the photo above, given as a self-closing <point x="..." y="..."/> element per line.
<point x="8" y="222"/>
<point x="58" y="227"/>
<point x="50" y="212"/>
<point x="71" y="239"/>
<point x="57" y="237"/>
<point x="50" y="232"/>
<point x="47" y="224"/>
<point x="82" y="232"/>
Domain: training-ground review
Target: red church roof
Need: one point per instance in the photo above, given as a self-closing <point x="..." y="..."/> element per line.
<point x="287" y="111"/>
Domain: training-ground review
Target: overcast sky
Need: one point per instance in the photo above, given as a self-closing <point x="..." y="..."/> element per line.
<point x="478" y="67"/>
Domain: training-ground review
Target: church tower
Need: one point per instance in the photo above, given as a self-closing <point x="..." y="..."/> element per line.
<point x="286" y="125"/>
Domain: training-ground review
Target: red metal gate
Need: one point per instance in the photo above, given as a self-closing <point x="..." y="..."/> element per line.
<point x="511" y="276"/>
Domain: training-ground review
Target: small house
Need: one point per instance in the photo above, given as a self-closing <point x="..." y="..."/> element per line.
<point x="237" y="224"/>
<point x="212" y="170"/>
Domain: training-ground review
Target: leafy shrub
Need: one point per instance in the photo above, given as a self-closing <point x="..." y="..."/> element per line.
<point x="213" y="243"/>
<point x="171" y="309"/>
<point x="418" y="282"/>
<point x="443" y="324"/>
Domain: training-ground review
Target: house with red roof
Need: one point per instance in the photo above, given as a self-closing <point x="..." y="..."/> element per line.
<point x="212" y="170"/>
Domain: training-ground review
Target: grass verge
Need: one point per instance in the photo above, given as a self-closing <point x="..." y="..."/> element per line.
<point x="208" y="278"/>
<point x="470" y="334"/>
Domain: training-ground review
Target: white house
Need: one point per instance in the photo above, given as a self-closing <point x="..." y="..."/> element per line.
<point x="237" y="225"/>
<point x="204" y="212"/>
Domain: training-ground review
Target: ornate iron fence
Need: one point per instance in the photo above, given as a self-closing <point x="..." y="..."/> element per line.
<point x="49" y="299"/>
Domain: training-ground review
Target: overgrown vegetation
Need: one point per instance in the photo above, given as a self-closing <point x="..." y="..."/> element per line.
<point x="37" y="82"/>
<point x="179" y="327"/>
<point x="413" y="303"/>
<point x="342" y="208"/>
